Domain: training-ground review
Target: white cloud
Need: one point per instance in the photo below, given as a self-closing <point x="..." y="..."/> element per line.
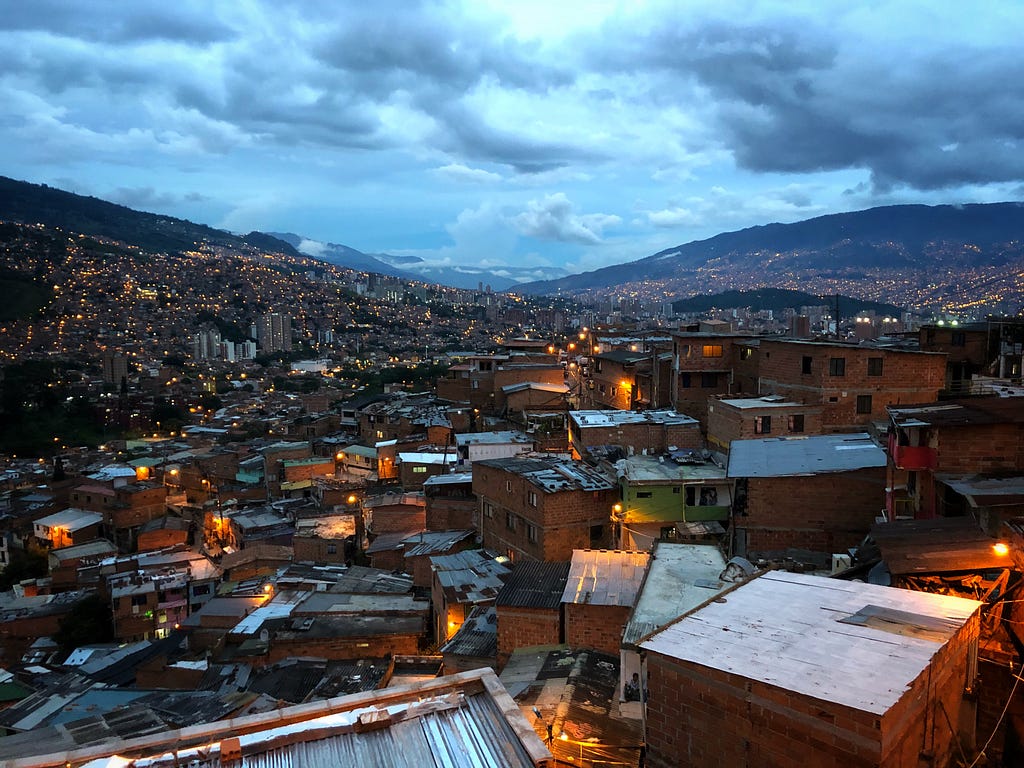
<point x="462" y="173"/>
<point x="554" y="218"/>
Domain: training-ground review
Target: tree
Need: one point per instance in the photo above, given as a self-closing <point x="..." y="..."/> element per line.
<point x="89" y="621"/>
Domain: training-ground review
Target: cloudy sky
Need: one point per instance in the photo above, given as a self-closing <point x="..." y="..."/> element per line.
<point x="527" y="132"/>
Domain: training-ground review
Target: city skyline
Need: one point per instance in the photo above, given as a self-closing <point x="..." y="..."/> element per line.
<point x="527" y="134"/>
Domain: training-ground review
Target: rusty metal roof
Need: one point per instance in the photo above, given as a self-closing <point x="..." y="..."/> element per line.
<point x="940" y="545"/>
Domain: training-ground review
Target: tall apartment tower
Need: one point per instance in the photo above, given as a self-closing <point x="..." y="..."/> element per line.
<point x="274" y="332"/>
<point x="115" y="367"/>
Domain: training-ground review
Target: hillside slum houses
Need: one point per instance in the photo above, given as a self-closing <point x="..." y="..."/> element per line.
<point x="719" y="549"/>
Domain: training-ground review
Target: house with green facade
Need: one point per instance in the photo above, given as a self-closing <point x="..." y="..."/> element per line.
<point x="659" y="492"/>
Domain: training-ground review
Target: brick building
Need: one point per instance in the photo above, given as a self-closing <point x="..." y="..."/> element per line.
<point x="852" y="383"/>
<point x="599" y="596"/>
<point x="323" y="539"/>
<point x="67" y="528"/>
<point x="817" y="493"/>
<point x="816" y="672"/>
<point x="702" y="365"/>
<point x="959" y="456"/>
<point x="449" y="502"/>
<point x="529" y="607"/>
<point x="646" y="432"/>
<point x="754" y="417"/>
<point x="542" y="508"/>
<point x="613" y="378"/>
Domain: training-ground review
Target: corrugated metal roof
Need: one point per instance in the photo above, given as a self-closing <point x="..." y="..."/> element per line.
<point x="800" y="456"/>
<point x="471" y="576"/>
<point x="604" y="577"/>
<point x="943" y="544"/>
<point x="955" y="413"/>
<point x="477" y="637"/>
<point x="534" y="585"/>
<point x="585" y="419"/>
<point x="448" y="725"/>
<point x="433" y="542"/>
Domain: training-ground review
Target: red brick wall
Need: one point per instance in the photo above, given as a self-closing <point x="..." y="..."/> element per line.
<point x="705" y="718"/>
<point x="825" y="513"/>
<point x="728" y="422"/>
<point x="390" y="560"/>
<point x="595" y="626"/>
<point x="165" y="537"/>
<point x="907" y="377"/>
<point x="526" y="627"/>
<point x="398" y="517"/>
<point x="563" y="519"/>
<point x="335" y="648"/>
<point x="654" y="438"/>
<point x="315" y="549"/>
<point x="308" y="471"/>
<point x="447" y="514"/>
<point x="987" y="448"/>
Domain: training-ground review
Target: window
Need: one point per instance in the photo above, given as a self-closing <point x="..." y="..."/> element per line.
<point x="875" y="366"/>
<point x="863" y="403"/>
<point x="475" y="384"/>
<point x="419" y="470"/>
<point x="508" y="486"/>
<point x="510" y="521"/>
<point x="805" y="364"/>
<point x="380" y="434"/>
<point x="597" y="365"/>
<point x="684" y="380"/>
<point x="532" y="533"/>
<point x="676" y="489"/>
<point x="762" y="425"/>
<point x="837" y="366"/>
<point x="712" y="350"/>
<point x="332" y="549"/>
<point x="596" y="534"/>
<point x="201" y="589"/>
<point x="796" y="422"/>
<point x="644" y="494"/>
<point x="533" y="498"/>
<point x="684" y="350"/>
<point x="488" y="510"/>
<point x="746" y="353"/>
<point x="958" y="339"/>
<point x="709" y="380"/>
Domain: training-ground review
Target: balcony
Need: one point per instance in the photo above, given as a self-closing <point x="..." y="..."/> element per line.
<point x="912" y="457"/>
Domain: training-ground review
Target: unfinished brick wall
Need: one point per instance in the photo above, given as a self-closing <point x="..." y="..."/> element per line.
<point x="341" y="648"/>
<point x="978" y="449"/>
<point x="824" y="513"/>
<point x="707" y="718"/>
<point x="451" y="514"/>
<point x="728" y="422"/>
<point x="595" y="626"/>
<point x="526" y="627"/>
<point x="906" y="377"/>
<point x="651" y="437"/>
<point x="563" y="520"/>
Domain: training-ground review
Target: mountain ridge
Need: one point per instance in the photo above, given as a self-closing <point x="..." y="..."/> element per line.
<point x="885" y="239"/>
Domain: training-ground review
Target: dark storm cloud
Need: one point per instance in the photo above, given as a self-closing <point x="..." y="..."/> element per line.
<point x="794" y="96"/>
<point x="114" y="21"/>
<point x="465" y="133"/>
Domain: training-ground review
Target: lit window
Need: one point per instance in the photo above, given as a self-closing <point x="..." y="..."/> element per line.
<point x="762" y="425"/>
<point x="712" y="350"/>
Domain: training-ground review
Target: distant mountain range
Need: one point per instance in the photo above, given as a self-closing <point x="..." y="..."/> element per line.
<point x="28" y="203"/>
<point x="411" y="267"/>
<point x="907" y="254"/>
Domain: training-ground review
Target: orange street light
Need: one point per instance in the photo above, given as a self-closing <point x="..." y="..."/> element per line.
<point x="1001" y="549"/>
